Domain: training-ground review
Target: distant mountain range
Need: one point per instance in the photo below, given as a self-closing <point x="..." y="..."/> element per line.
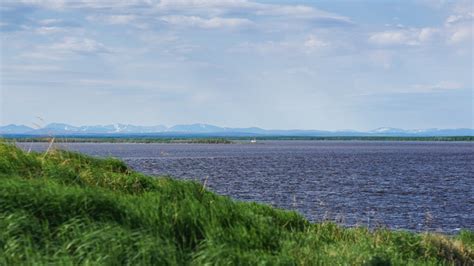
<point x="211" y="130"/>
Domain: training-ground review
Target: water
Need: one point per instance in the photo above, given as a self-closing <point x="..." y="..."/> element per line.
<point x="400" y="185"/>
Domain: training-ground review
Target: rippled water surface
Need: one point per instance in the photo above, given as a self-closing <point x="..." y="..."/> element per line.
<point x="409" y="185"/>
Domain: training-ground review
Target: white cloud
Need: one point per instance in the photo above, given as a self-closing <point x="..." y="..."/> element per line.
<point x="443" y="85"/>
<point x="95" y="4"/>
<point x="120" y="19"/>
<point x="51" y="4"/>
<point x="48" y="22"/>
<point x="139" y="21"/>
<point x="310" y="44"/>
<point x="457" y="28"/>
<point x="459" y="25"/>
<point x="399" y="37"/>
<point x="262" y="9"/>
<point x="211" y="23"/>
<point x="76" y="45"/>
<point x="199" y="8"/>
<point x="215" y="6"/>
<point x="67" y="47"/>
<point x="460" y="34"/>
<point x="302" y="12"/>
<point x="463" y="10"/>
<point x="456" y="18"/>
<point x="406" y="36"/>
<point x="48" y="30"/>
<point x="436" y="4"/>
<point x="287" y="10"/>
<point x="427" y="34"/>
<point x="389" y="37"/>
<point x="313" y="42"/>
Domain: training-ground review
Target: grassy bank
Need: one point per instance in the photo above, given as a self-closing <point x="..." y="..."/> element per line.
<point x="62" y="207"/>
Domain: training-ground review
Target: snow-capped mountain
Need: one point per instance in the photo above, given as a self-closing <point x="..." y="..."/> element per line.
<point x="388" y="130"/>
<point x="121" y="128"/>
<point x="60" y="128"/>
<point x="196" y="128"/>
<point x="206" y="129"/>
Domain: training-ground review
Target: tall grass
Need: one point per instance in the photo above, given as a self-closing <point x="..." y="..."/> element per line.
<point x="68" y="208"/>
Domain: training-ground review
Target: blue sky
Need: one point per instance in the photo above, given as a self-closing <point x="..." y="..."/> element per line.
<point x="273" y="64"/>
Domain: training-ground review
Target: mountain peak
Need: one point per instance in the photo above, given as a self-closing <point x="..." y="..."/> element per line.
<point x="207" y="129"/>
<point x="60" y="126"/>
<point x="15" y="129"/>
<point x="387" y="130"/>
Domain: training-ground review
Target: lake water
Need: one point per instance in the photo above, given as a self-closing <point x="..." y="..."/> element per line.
<point x="400" y="185"/>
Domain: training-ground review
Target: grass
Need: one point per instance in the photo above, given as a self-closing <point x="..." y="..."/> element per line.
<point x="67" y="208"/>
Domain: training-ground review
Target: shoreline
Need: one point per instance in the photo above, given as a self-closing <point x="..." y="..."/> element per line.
<point x="228" y="140"/>
<point x="69" y="207"/>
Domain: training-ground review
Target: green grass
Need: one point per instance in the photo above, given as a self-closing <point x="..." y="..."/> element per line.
<point x="68" y="208"/>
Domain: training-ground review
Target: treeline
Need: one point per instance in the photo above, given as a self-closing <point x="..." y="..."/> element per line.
<point x="365" y="138"/>
<point x="227" y="140"/>
<point x="124" y="140"/>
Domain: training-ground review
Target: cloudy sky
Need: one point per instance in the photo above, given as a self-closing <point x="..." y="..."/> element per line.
<point x="274" y="64"/>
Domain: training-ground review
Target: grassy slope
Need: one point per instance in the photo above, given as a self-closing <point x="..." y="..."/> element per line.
<point x="64" y="207"/>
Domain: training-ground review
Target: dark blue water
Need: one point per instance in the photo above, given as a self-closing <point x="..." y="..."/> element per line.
<point x="399" y="185"/>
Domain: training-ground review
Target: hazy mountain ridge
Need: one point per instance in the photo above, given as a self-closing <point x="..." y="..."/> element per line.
<point x="207" y="129"/>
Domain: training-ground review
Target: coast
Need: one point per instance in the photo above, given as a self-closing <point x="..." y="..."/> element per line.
<point x="66" y="207"/>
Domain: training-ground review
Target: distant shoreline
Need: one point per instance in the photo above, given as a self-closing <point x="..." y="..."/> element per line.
<point x="124" y="140"/>
<point x="222" y="140"/>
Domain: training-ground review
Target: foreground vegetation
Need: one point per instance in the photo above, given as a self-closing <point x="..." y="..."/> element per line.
<point x="66" y="208"/>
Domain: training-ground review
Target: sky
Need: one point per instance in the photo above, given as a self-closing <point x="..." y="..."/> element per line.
<point x="328" y="65"/>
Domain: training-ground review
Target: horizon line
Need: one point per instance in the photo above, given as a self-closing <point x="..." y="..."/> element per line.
<point x="232" y="127"/>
